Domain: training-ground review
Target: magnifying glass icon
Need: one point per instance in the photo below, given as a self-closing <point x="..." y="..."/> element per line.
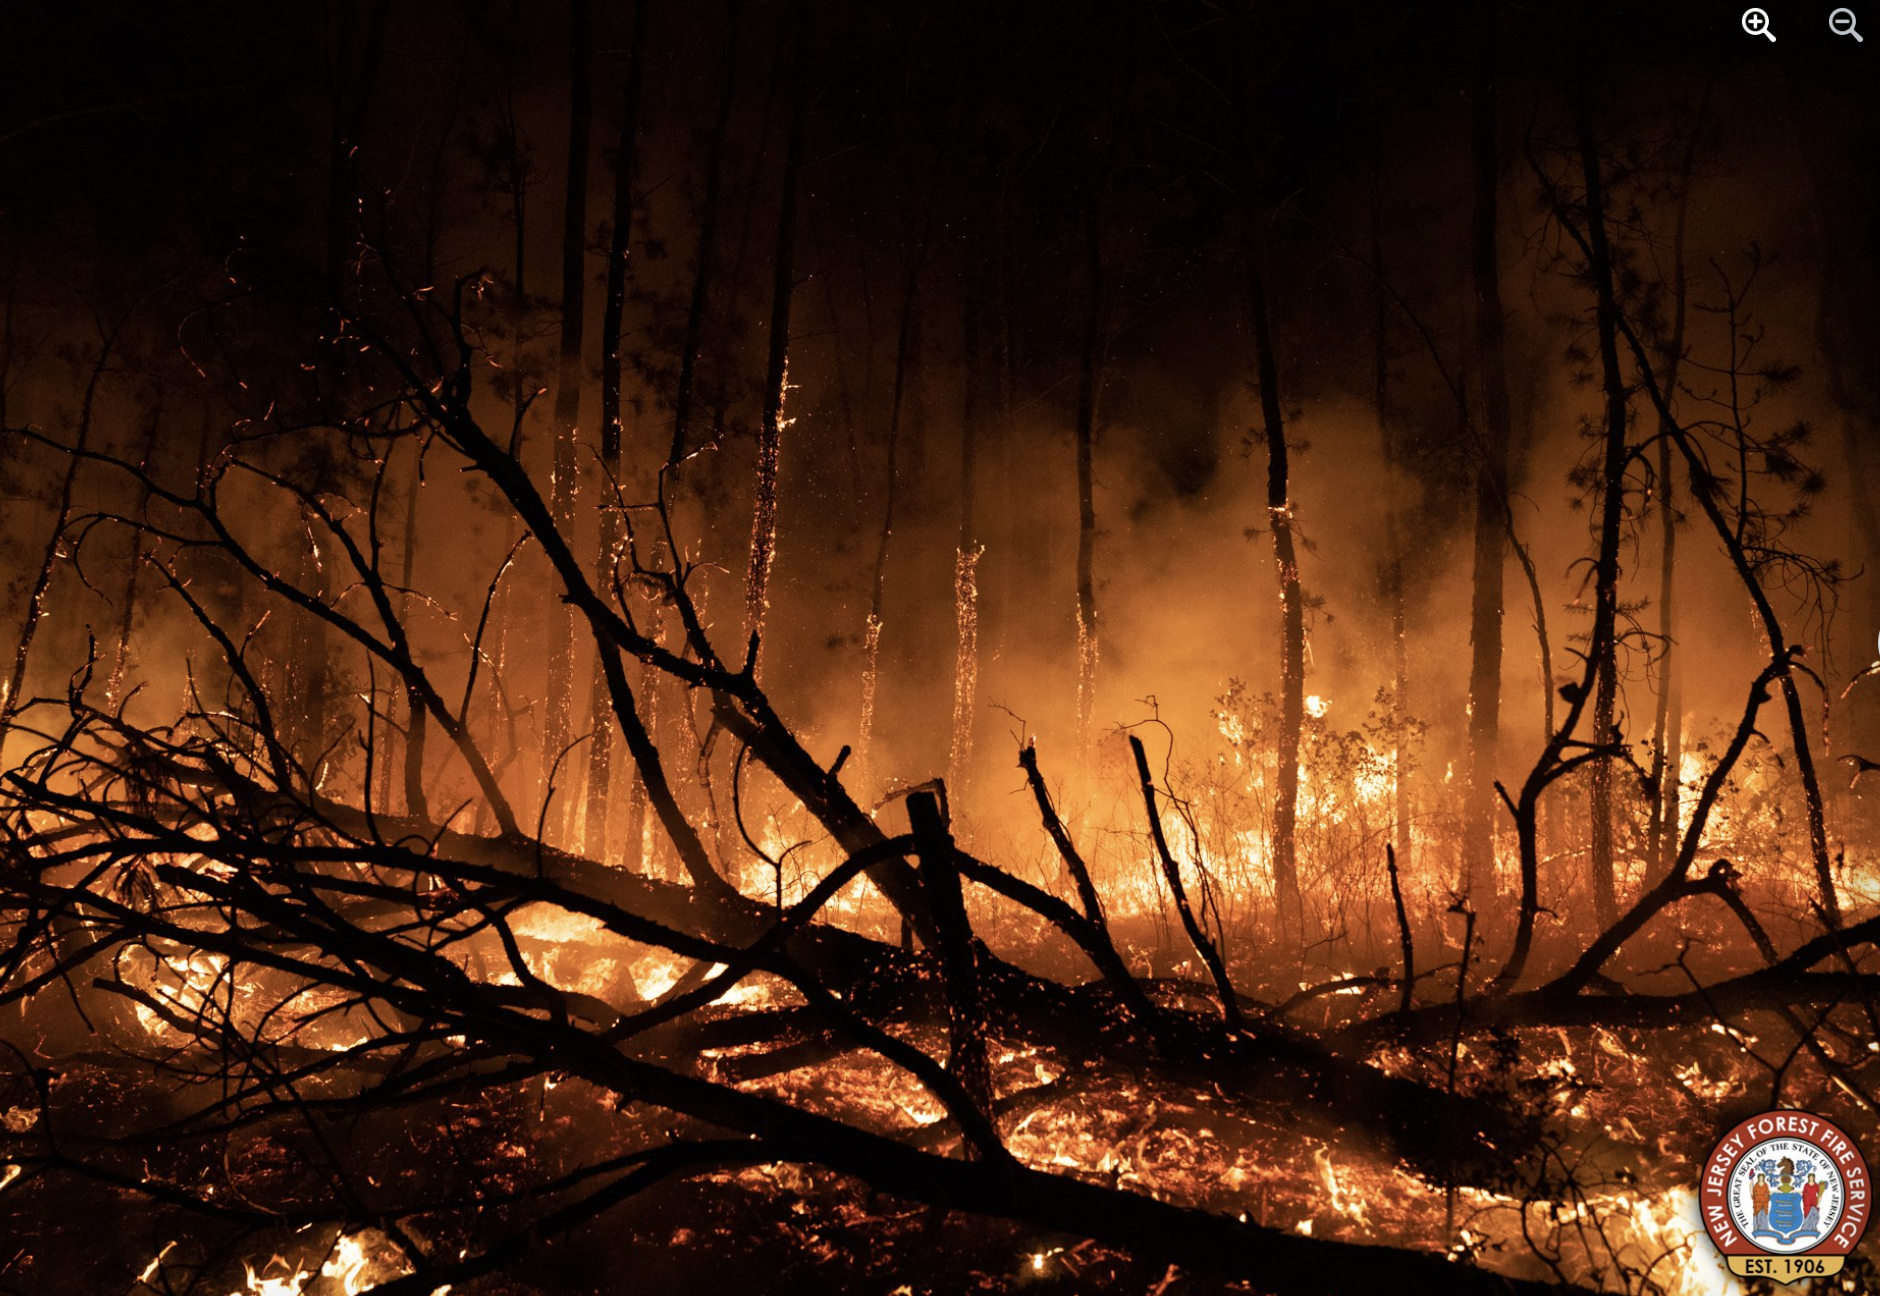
<point x="1842" y="23"/>
<point x="1756" y="23"/>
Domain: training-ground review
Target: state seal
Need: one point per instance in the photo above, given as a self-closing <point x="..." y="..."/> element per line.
<point x="1786" y="1196"/>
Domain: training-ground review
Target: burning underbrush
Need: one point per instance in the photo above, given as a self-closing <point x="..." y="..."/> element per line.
<point x="325" y="1058"/>
<point x="378" y="1012"/>
<point x="1594" y="1199"/>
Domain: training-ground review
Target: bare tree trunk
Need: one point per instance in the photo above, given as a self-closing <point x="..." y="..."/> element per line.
<point x="1667" y="722"/>
<point x="417" y="804"/>
<point x="982" y="172"/>
<point x="134" y="568"/>
<point x="417" y="801"/>
<point x="1603" y="648"/>
<point x="906" y="346"/>
<point x="1401" y="853"/>
<point x="354" y="67"/>
<point x="1491" y="480"/>
<point x="563" y="485"/>
<point x="1089" y="378"/>
<point x="966" y="551"/>
<point x="707" y="248"/>
<point x="777" y="373"/>
<point x="666" y="704"/>
<point x="6" y="333"/>
<point x="1292" y="671"/>
<point x="516" y="182"/>
<point x="600" y="776"/>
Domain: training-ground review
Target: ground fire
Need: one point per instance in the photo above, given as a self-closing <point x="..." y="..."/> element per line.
<point x="800" y="647"/>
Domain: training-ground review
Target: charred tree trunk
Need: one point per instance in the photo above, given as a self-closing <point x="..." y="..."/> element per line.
<point x="355" y="62"/>
<point x="1401" y="849"/>
<point x="1603" y="647"/>
<point x="515" y="181"/>
<point x="683" y="394"/>
<point x="666" y="704"/>
<point x="1292" y="639"/>
<point x="982" y="168"/>
<point x="417" y="803"/>
<point x="777" y="373"/>
<point x="558" y="718"/>
<point x="1085" y="432"/>
<point x="600" y="774"/>
<point x="1292" y="674"/>
<point x="907" y="342"/>
<point x="1668" y="718"/>
<point x="8" y="313"/>
<point x="133" y="569"/>
<point x="967" y="1059"/>
<point x="1491" y="478"/>
<point x="966" y="552"/>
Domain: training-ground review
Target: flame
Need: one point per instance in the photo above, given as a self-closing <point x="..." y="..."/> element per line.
<point x="1690" y="775"/>
<point x="354" y="1264"/>
<point x="292" y="1285"/>
<point x="348" y="1264"/>
<point x="156" y="1264"/>
<point x="658" y="973"/>
<point x="190" y="984"/>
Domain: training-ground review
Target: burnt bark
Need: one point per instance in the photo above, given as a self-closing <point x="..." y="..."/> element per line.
<point x="1084" y="435"/>
<point x="564" y="485"/>
<point x="600" y="771"/>
<point x="1668" y="716"/>
<point x="967" y="548"/>
<point x="1603" y="647"/>
<point x="906" y="372"/>
<point x="1292" y="644"/>
<point x="1204" y="946"/>
<point x="777" y="372"/>
<point x="1393" y="582"/>
<point x="959" y="955"/>
<point x="705" y="254"/>
<point x="1279" y="508"/>
<point x="1491" y="474"/>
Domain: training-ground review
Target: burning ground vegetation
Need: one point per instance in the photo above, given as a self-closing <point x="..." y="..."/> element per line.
<point x="288" y="1041"/>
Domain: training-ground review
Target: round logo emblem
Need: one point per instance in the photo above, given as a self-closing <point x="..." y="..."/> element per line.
<point x="1786" y="1196"/>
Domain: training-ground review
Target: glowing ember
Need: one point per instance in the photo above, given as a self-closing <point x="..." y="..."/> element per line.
<point x="356" y="1263"/>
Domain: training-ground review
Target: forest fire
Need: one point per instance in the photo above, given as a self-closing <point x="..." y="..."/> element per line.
<point x="1285" y="711"/>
